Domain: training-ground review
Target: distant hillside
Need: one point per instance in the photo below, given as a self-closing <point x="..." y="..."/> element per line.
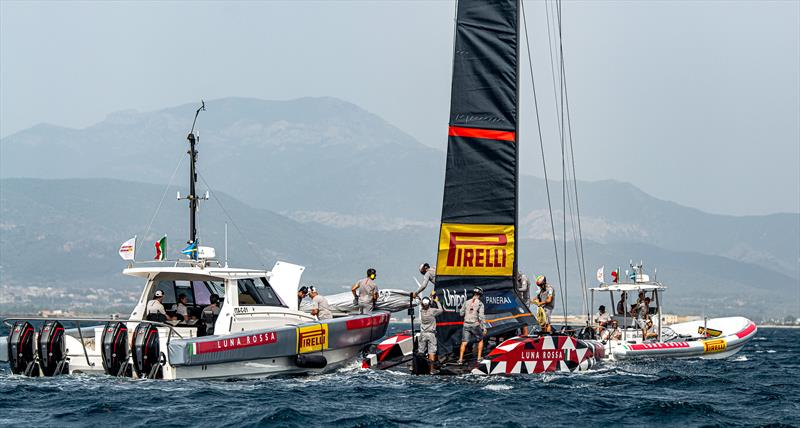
<point x="66" y="233"/>
<point x="335" y="187"/>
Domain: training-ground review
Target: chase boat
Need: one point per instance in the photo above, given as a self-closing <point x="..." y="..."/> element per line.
<point x="708" y="338"/>
<point x="259" y="330"/>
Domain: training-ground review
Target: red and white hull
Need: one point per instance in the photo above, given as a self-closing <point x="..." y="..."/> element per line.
<point x="729" y="336"/>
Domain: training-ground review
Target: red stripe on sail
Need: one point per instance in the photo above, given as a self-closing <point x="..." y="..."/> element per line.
<point x="487" y="134"/>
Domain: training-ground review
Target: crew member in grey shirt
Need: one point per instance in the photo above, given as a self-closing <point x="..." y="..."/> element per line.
<point x="319" y="305"/>
<point x="428" y="277"/>
<point x="523" y="287"/>
<point x="474" y="318"/>
<point x="366" y="292"/>
<point x="427" y="335"/>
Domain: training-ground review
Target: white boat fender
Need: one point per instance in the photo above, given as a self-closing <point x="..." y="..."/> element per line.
<point x="311" y="361"/>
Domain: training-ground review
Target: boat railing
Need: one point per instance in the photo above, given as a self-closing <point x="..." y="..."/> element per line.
<point x="77" y="320"/>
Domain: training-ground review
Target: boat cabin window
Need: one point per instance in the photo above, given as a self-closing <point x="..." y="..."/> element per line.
<point x="198" y="293"/>
<point x="257" y="292"/>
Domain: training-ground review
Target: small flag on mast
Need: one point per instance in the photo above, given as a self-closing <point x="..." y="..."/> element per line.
<point x="128" y="249"/>
<point x="191" y="250"/>
<point x="161" y="248"/>
<point x="601" y="277"/>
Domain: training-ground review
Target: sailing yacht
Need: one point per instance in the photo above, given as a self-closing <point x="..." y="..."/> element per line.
<point x="259" y="330"/>
<point x="478" y="232"/>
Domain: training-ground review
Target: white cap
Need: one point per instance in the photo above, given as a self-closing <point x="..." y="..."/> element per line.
<point x="159" y="293"/>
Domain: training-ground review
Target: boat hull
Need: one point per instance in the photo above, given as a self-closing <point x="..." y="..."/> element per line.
<point x="730" y="336"/>
<point x="311" y="347"/>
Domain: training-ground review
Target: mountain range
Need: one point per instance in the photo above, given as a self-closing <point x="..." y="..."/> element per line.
<point x="324" y="183"/>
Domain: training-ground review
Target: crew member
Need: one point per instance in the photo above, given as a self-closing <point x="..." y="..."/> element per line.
<point x="427" y="335"/>
<point x="182" y="310"/>
<point x="523" y="287"/>
<point x="545" y="300"/>
<point x="366" y="292"/>
<point x="621" y="304"/>
<point x="319" y="305"/>
<point x="642" y="312"/>
<point x="301" y="294"/>
<point x="210" y="314"/>
<point x="612" y="333"/>
<point x="474" y="319"/>
<point x="155" y="308"/>
<point x="428" y="277"/>
<point x="601" y="318"/>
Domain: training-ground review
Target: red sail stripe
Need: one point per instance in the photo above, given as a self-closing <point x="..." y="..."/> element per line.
<point x="487" y="134"/>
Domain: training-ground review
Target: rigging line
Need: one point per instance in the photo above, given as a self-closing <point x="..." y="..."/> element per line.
<point x="565" y="105"/>
<point x="563" y="172"/>
<point x="541" y="147"/>
<point x="236" y="226"/>
<point x="552" y="65"/>
<point x="163" y="195"/>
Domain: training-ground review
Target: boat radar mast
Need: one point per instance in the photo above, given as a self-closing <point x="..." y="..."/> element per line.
<point x="193" y="138"/>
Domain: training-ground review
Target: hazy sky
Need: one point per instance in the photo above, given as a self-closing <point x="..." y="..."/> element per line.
<point x="695" y="102"/>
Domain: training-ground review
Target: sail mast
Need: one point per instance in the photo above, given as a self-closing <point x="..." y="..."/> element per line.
<point x="478" y="234"/>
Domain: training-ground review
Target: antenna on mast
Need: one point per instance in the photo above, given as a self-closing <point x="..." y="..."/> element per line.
<point x="193" y="138"/>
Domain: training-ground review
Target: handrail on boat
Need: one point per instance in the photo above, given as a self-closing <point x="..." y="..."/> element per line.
<point x="78" y="320"/>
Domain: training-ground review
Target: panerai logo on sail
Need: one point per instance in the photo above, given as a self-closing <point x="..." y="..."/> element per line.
<point x="476" y="250"/>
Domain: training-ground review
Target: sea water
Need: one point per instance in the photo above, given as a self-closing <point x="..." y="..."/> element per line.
<point x="758" y="386"/>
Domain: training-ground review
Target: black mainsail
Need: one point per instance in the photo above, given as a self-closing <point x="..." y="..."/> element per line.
<point x="478" y="235"/>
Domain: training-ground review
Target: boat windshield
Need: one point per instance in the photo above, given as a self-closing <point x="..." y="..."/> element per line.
<point x="257" y="292"/>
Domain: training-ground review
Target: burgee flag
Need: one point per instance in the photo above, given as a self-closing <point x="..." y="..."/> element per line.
<point x="128" y="249"/>
<point x="601" y="277"/>
<point x="161" y="248"/>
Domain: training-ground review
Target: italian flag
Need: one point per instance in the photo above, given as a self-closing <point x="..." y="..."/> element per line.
<point x="161" y="248"/>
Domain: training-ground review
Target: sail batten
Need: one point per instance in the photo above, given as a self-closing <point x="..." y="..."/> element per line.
<point x="478" y="236"/>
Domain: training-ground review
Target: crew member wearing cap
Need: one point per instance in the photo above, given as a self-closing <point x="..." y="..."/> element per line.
<point x="523" y="288"/>
<point x="155" y="308"/>
<point x="602" y="319"/>
<point x="428" y="277"/>
<point x="545" y="300"/>
<point x="301" y="294"/>
<point x="365" y="291"/>
<point x="474" y="318"/>
<point x="427" y="335"/>
<point x="319" y="305"/>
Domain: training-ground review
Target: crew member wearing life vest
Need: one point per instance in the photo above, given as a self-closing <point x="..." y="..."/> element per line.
<point x="365" y="291"/>
<point x="474" y="319"/>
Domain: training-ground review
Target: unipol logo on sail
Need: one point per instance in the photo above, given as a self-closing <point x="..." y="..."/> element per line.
<point x="476" y="250"/>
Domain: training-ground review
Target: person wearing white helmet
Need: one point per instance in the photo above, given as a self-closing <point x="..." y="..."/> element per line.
<point x="474" y="319"/>
<point x="428" y="273"/>
<point x="426" y="341"/>
<point x="319" y="305"/>
<point x="545" y="300"/>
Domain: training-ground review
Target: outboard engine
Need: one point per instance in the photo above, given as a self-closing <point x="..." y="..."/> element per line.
<point x="52" y="350"/>
<point x="22" y="349"/>
<point x="146" y="351"/>
<point x="115" y="349"/>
